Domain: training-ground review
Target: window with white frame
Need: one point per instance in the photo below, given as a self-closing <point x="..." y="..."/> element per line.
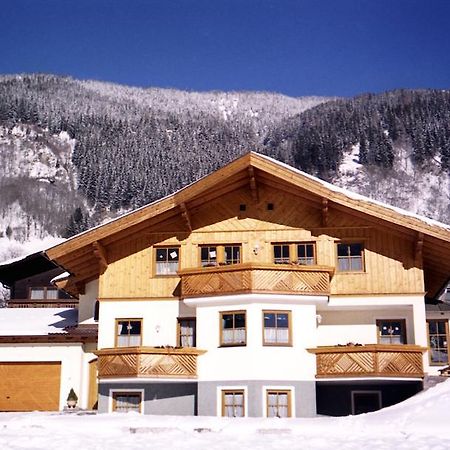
<point x="278" y="403"/>
<point x="43" y="293"/>
<point x="233" y="403"/>
<point x="391" y="331"/>
<point x="126" y="401"/>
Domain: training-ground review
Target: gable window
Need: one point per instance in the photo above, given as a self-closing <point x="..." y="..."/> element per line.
<point x="43" y="293"/>
<point x="128" y="332"/>
<point x="306" y="254"/>
<point x="281" y="254"/>
<point x="208" y="256"/>
<point x="303" y="253"/>
<point x="276" y="328"/>
<point x="213" y="255"/>
<point x="232" y="254"/>
<point x="350" y="257"/>
<point x="233" y="403"/>
<point x="127" y="401"/>
<point x="391" y="331"/>
<point x="438" y="341"/>
<point x="186" y="332"/>
<point x="167" y="260"/>
<point x="278" y="403"/>
<point x="232" y="328"/>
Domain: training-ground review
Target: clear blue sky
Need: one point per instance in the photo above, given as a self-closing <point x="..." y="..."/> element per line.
<point x="303" y="47"/>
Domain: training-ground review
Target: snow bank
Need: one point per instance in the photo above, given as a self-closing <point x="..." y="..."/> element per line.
<point x="418" y="423"/>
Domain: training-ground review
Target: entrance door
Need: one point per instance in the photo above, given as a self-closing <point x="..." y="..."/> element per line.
<point x="365" y="401"/>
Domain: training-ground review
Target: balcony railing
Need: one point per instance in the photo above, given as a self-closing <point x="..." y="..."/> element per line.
<point x="255" y="278"/>
<point x="44" y="303"/>
<point x="148" y="362"/>
<point x="374" y="360"/>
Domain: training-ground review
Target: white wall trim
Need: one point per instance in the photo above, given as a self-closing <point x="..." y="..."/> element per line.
<point x="244" y="299"/>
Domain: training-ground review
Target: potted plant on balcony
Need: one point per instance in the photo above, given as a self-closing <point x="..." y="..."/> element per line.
<point x="72" y="399"/>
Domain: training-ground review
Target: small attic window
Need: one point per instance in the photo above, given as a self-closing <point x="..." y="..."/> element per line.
<point x="242" y="207"/>
<point x="269" y="206"/>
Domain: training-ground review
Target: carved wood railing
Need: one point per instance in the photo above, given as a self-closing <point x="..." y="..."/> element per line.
<point x="374" y="360"/>
<point x="148" y="362"/>
<point x="249" y="278"/>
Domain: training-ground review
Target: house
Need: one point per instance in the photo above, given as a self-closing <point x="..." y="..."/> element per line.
<point x="260" y="290"/>
<point x="44" y="351"/>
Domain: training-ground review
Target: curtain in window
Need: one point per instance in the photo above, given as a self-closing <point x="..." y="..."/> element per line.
<point x="276" y="335"/>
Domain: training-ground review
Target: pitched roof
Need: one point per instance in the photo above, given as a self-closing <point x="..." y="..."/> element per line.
<point x="81" y="254"/>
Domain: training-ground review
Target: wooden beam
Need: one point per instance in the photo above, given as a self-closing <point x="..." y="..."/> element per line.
<point x="253" y="185"/>
<point x="186" y="216"/>
<point x="324" y="212"/>
<point x="418" y="248"/>
<point x="100" y="253"/>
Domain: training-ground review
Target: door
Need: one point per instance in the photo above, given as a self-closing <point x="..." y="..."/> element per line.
<point x="30" y="386"/>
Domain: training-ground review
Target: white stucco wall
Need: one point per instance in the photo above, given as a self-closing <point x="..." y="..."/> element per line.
<point x="254" y="361"/>
<point x="87" y="301"/>
<point x="159" y="326"/>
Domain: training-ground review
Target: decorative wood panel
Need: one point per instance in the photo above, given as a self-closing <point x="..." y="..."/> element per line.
<point x="29" y="386"/>
<point x="240" y="278"/>
<point x="148" y="362"/>
<point x="370" y="360"/>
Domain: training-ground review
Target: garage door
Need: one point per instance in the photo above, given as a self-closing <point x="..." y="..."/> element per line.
<point x="30" y="386"/>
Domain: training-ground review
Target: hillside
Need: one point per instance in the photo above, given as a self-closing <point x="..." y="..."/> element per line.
<point x="73" y="153"/>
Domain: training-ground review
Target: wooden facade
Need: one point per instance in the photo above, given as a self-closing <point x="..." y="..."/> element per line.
<point x="148" y="362"/>
<point x="370" y="361"/>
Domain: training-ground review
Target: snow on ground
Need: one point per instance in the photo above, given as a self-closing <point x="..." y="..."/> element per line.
<point x="420" y="423"/>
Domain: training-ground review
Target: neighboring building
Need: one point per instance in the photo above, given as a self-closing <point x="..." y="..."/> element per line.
<point x="43" y="351"/>
<point x="260" y="291"/>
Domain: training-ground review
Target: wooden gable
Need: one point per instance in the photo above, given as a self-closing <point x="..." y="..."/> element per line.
<point x="257" y="195"/>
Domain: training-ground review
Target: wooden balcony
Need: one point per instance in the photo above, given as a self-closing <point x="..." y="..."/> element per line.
<point x="44" y="303"/>
<point x="374" y="360"/>
<point x="150" y="362"/>
<point x="256" y="278"/>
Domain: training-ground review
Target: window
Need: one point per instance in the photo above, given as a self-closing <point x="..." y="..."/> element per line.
<point x="232" y="254"/>
<point x="276" y="328"/>
<point x="167" y="260"/>
<point x="43" y="293"/>
<point x="208" y="256"/>
<point x="438" y="341"/>
<point x="305" y="254"/>
<point x="350" y="257"/>
<point x="186" y="332"/>
<point x="278" y="403"/>
<point x="391" y="331"/>
<point x="127" y="401"/>
<point x="233" y="403"/>
<point x="213" y="255"/>
<point x="232" y="329"/>
<point x="298" y="253"/>
<point x="281" y="254"/>
<point x="129" y="332"/>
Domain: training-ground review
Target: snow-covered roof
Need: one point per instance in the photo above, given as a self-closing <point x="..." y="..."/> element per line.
<point x="355" y="196"/>
<point x="36" y="321"/>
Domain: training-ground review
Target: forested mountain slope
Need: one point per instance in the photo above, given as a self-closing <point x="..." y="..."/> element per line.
<point x="75" y="152"/>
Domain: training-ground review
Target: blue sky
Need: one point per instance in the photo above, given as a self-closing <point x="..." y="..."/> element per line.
<point x="303" y="47"/>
